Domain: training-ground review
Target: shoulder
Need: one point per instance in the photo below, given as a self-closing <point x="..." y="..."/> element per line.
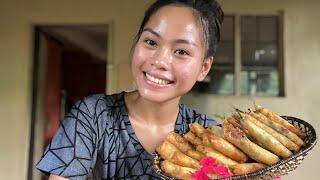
<point x="190" y="115"/>
<point x="99" y="112"/>
<point x="98" y="102"/>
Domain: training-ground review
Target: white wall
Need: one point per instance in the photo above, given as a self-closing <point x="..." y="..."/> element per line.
<point x="17" y="19"/>
<point x="302" y="83"/>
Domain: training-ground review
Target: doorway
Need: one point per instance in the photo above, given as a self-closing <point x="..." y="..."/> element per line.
<point x="69" y="63"/>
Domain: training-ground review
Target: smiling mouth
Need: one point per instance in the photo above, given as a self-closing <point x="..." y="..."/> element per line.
<point x="157" y="80"/>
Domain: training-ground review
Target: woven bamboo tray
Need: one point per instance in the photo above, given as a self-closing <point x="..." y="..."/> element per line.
<point x="269" y="172"/>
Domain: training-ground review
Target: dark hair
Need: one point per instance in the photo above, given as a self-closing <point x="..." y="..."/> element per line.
<point x="210" y="15"/>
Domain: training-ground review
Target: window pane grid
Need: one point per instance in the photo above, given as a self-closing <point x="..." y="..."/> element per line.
<point x="259" y="56"/>
<point x="247" y="62"/>
<point x="220" y="79"/>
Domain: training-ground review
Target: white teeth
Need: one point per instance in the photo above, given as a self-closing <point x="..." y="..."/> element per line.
<point x="156" y="80"/>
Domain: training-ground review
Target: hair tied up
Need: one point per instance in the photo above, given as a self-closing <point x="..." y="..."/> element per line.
<point x="210" y="15"/>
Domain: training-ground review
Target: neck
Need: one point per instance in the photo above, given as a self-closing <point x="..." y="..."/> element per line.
<point x="163" y="113"/>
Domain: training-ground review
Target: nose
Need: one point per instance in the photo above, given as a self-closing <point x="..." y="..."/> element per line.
<point x="162" y="59"/>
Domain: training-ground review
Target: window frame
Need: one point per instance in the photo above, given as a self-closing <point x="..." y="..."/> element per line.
<point x="237" y="52"/>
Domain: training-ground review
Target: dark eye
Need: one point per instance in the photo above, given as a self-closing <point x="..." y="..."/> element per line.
<point x="150" y="42"/>
<point x="181" y="52"/>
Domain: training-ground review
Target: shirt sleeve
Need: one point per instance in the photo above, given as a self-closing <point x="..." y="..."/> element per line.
<point x="72" y="152"/>
<point x="206" y="121"/>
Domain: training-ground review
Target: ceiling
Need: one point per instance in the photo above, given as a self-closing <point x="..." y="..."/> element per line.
<point x="90" y="38"/>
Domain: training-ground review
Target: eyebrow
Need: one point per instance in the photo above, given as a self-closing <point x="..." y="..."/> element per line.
<point x="151" y="31"/>
<point x="184" y="41"/>
<point x="177" y="41"/>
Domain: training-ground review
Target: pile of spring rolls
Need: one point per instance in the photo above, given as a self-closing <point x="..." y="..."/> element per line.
<point x="246" y="142"/>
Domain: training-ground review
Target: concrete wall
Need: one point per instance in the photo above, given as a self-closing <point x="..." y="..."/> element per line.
<point x="17" y="19"/>
<point x="302" y="84"/>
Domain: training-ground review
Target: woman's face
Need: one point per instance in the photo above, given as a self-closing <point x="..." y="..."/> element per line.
<point x="169" y="56"/>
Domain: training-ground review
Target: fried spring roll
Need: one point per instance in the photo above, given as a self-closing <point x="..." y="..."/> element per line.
<point x="192" y="138"/>
<point x="221" y="159"/>
<point x="276" y="118"/>
<point x="176" y="171"/>
<point x="224" y="147"/>
<point x="233" y="120"/>
<point x="197" y="129"/>
<point x="263" y="137"/>
<point x="252" y="139"/>
<point x="170" y="152"/>
<point x="245" y="168"/>
<point x="183" y="145"/>
<point x="279" y="128"/>
<point x="178" y="141"/>
<point x="218" y="143"/>
<point x="280" y="137"/>
<point x="216" y="130"/>
<point x="213" y="176"/>
<point x="238" y="138"/>
<point x="195" y="154"/>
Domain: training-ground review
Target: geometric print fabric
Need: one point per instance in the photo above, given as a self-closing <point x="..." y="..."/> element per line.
<point x="96" y="141"/>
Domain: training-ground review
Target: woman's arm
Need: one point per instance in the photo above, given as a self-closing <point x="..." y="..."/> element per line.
<point x="73" y="149"/>
<point x="55" y="177"/>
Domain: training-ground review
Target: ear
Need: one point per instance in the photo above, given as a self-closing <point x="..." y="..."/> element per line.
<point x="206" y="66"/>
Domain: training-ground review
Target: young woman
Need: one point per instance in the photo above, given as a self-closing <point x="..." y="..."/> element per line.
<point x="113" y="136"/>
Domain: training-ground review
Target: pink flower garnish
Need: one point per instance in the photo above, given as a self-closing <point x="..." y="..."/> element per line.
<point x="199" y="175"/>
<point x="221" y="171"/>
<point x="206" y="161"/>
<point x="209" y="165"/>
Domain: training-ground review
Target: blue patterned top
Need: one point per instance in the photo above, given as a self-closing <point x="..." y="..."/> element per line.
<point x="96" y="141"/>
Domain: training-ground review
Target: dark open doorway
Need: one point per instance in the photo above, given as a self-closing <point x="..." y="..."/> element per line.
<point x="69" y="64"/>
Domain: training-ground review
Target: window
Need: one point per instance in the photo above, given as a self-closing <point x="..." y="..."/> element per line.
<point x="249" y="60"/>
